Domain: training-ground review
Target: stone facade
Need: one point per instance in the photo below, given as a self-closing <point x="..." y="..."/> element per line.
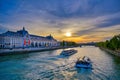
<point x="22" y="39"/>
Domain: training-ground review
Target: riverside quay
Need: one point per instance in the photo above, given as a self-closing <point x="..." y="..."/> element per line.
<point x="22" y="39"/>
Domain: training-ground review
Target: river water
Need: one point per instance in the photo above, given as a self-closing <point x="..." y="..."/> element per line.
<point x="50" y="65"/>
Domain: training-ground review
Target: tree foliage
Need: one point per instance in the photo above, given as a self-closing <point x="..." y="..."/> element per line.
<point x="66" y="43"/>
<point x="113" y="43"/>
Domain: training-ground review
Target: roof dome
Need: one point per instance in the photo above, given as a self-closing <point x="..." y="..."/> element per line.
<point x="49" y="37"/>
<point x="23" y="31"/>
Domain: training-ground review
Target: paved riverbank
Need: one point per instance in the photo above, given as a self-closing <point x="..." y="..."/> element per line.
<point x="111" y="51"/>
<point x="26" y="50"/>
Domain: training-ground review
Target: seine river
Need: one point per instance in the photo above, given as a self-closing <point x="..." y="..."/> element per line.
<point x="50" y="65"/>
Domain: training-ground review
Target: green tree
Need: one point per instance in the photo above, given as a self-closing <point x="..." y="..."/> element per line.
<point x="113" y="43"/>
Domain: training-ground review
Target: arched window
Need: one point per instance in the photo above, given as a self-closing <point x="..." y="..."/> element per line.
<point x="39" y="44"/>
<point x="36" y="45"/>
<point x="32" y="44"/>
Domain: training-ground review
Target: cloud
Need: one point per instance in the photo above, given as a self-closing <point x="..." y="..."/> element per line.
<point x="85" y="19"/>
<point x="110" y="20"/>
<point x="2" y="28"/>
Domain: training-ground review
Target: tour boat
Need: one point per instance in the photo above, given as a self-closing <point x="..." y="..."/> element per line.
<point x="68" y="52"/>
<point x="84" y="62"/>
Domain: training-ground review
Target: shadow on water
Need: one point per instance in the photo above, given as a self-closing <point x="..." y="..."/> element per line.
<point x="117" y="60"/>
<point x="25" y="55"/>
<point x="13" y="57"/>
<point x="62" y="56"/>
<point x="83" y="71"/>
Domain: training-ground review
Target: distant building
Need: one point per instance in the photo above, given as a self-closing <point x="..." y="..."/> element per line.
<point x="22" y="39"/>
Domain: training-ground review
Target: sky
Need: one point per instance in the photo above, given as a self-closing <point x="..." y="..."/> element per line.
<point x="86" y="20"/>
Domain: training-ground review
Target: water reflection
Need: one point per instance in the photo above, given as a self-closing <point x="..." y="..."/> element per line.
<point x="13" y="57"/>
<point x="51" y="65"/>
<point x="83" y="71"/>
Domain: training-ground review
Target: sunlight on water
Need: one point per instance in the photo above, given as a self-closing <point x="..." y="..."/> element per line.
<point x="51" y="65"/>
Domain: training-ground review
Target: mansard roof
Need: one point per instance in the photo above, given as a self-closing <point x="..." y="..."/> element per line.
<point x="50" y="37"/>
<point x="41" y="37"/>
<point x="11" y="33"/>
<point x="19" y="33"/>
<point x="31" y="35"/>
<point x="23" y="32"/>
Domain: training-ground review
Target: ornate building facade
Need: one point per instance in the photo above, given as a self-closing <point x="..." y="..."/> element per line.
<point x="22" y="39"/>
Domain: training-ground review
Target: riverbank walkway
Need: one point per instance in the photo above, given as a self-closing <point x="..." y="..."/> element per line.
<point x="26" y="50"/>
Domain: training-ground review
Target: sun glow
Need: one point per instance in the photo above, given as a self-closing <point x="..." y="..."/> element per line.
<point x="68" y="34"/>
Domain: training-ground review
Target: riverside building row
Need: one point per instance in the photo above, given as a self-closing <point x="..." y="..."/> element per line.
<point x="22" y="39"/>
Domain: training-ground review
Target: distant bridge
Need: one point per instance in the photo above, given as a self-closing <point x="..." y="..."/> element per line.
<point x="87" y="44"/>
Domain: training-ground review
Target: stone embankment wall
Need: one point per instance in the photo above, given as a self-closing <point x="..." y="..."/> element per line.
<point x="117" y="53"/>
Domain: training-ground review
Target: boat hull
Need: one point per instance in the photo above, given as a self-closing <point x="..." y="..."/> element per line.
<point x="69" y="52"/>
<point x="83" y="66"/>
